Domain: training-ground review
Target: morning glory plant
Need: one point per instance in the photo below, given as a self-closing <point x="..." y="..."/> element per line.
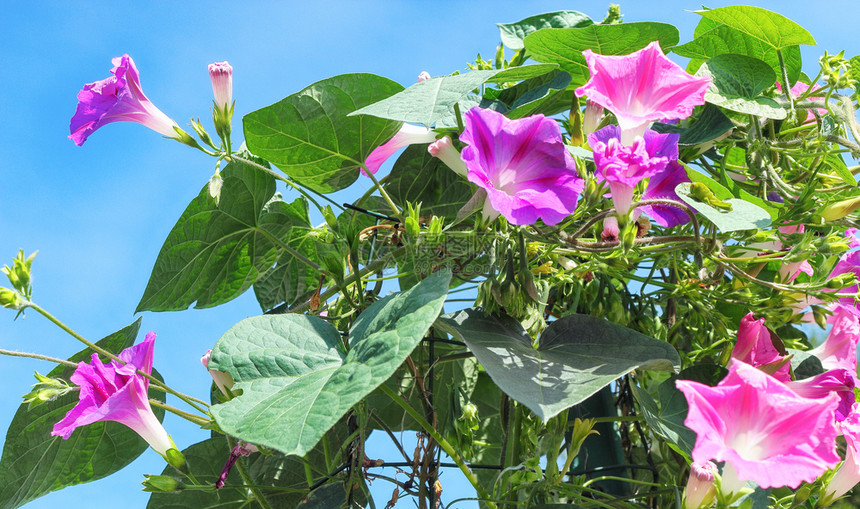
<point x="576" y="274"/>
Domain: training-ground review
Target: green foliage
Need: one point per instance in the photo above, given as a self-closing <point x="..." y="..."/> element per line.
<point x="418" y="177"/>
<point x="514" y="33"/>
<point x="297" y="381"/>
<point x="737" y="81"/>
<point x="35" y="463"/>
<point x="564" y="46"/>
<point x="310" y="137"/>
<point x="561" y="371"/>
<point x="770" y="28"/>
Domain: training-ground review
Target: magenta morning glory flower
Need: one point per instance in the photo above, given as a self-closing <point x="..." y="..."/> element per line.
<point x="623" y="167"/>
<point x="848" y="474"/>
<point x="839" y="350"/>
<point x="407" y="135"/>
<point x="642" y="87"/>
<point x="117" y="98"/>
<point x="522" y="164"/>
<point x="834" y="381"/>
<point x="116" y="392"/>
<point x="755" y="347"/>
<point x="761" y="429"/>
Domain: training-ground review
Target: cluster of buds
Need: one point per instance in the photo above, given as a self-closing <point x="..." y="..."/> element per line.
<point x="19" y="277"/>
<point x="836" y="70"/>
<point x="47" y="389"/>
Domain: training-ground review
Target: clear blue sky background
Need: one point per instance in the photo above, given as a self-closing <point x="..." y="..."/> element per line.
<point x="99" y="214"/>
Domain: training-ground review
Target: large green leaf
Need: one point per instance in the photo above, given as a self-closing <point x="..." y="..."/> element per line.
<point x="35" y="463"/>
<point x="417" y="177"/>
<point x="667" y="413"/>
<point x="514" y="33"/>
<point x="564" y="46"/>
<point x="309" y="136"/>
<point x="547" y="94"/>
<point x="737" y="81"/>
<point x="217" y="251"/>
<point x="712" y="38"/>
<point x="427" y="101"/>
<point x="772" y="29"/>
<point x="292" y="281"/>
<point x="578" y="355"/>
<point x="708" y="126"/>
<point x="296" y="380"/>
<point x="742" y="216"/>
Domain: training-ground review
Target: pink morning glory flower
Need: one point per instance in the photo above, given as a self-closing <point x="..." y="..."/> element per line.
<point x="642" y="87"/>
<point x="118" y="98"/>
<point x="522" y="164"/>
<point x="834" y="381"/>
<point x="799" y="89"/>
<point x="116" y="392"/>
<point x="848" y="474"/>
<point x="221" y="75"/>
<point x="839" y="350"/>
<point x="761" y="429"/>
<point x="623" y="167"/>
<point x="755" y="347"/>
<point x="407" y="135"/>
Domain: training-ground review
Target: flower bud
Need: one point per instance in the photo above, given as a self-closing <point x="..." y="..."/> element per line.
<point x="424" y="76"/>
<point x="839" y="209"/>
<point x="176" y="460"/>
<point x="161" y="484"/>
<point x="592" y="118"/>
<point x="19" y="273"/>
<point x="223" y="380"/>
<point x="700" y="486"/>
<point x="215" y="185"/>
<point x="444" y="149"/>
<point x="221" y="74"/>
<point x="10" y="299"/>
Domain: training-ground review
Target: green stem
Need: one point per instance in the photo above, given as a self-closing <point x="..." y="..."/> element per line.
<point x="449" y="450"/>
<point x="246" y="478"/>
<point x="158" y="383"/>
<point x="38" y="356"/>
<point x="382" y="192"/>
<point x="295" y="254"/>
<point x="785" y="85"/>
<point x="196" y="419"/>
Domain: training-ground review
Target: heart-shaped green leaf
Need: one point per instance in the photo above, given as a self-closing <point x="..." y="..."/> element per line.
<point x="295" y="379"/>
<point x="578" y="355"/>
<point x="217" y="251"/>
<point x="428" y="101"/>
<point x="564" y="46"/>
<point x="737" y="81"/>
<point x="767" y="27"/>
<point x="514" y="33"/>
<point x="309" y="136"/>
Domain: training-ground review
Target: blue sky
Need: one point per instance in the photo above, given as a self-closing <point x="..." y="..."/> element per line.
<point x="99" y="214"/>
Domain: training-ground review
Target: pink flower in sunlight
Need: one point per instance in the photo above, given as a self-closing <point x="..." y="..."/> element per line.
<point x="755" y="347"/>
<point x="848" y="474"/>
<point x="407" y="135"/>
<point x="221" y="75"/>
<point x="835" y="381"/>
<point x="623" y="167"/>
<point x="839" y="350"/>
<point x="116" y="392"/>
<point x="523" y="165"/>
<point x="642" y="87"/>
<point x="118" y="98"/>
<point x="761" y="429"/>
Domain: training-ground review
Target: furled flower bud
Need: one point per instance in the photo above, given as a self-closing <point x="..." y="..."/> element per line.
<point x="593" y="116"/>
<point x="221" y="74"/>
<point x="424" y="76"/>
<point x="839" y="209"/>
<point x="223" y="380"/>
<point x="700" y="486"/>
<point x="10" y="299"/>
<point x="443" y="148"/>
